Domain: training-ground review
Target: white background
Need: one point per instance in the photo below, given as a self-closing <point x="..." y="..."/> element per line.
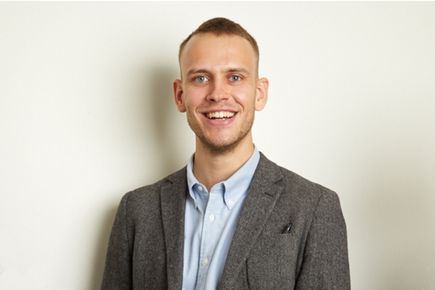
<point x="86" y="114"/>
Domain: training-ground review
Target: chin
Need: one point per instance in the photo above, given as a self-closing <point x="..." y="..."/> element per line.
<point x="221" y="146"/>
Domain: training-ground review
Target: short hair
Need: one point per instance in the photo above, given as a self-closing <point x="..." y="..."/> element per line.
<point x="221" y="26"/>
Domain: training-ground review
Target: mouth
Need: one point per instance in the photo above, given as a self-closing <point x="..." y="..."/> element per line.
<point x="220" y="115"/>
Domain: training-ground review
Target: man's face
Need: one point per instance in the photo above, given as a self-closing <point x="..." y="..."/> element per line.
<point x="219" y="89"/>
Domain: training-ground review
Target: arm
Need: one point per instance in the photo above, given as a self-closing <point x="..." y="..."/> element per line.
<point x="325" y="264"/>
<point x="117" y="272"/>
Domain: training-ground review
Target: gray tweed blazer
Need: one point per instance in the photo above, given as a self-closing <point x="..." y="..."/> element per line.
<point x="291" y="235"/>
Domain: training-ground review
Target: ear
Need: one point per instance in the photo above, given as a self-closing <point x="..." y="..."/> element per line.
<point x="177" y="87"/>
<point x="261" y="93"/>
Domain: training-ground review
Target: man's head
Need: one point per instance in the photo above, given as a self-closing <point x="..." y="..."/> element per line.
<point x="219" y="87"/>
<point x="222" y="26"/>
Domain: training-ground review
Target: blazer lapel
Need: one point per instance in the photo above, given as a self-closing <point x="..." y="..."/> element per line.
<point x="173" y="197"/>
<point x="263" y="194"/>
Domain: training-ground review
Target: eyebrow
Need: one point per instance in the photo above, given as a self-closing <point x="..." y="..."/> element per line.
<point x="231" y="70"/>
<point x="196" y="71"/>
<point x="240" y="70"/>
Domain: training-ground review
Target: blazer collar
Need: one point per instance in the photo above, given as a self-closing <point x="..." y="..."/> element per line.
<point x="262" y="196"/>
<point x="173" y="197"/>
<point x="263" y="193"/>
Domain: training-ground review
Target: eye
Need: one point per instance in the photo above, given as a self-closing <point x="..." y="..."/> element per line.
<point x="200" y="79"/>
<point x="235" y="78"/>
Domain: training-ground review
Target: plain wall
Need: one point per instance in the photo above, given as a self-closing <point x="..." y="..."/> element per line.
<point x="86" y="114"/>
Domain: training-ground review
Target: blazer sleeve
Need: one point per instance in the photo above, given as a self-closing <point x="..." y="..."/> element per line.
<point x="325" y="264"/>
<point x="117" y="273"/>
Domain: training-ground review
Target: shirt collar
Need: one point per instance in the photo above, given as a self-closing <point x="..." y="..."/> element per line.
<point x="235" y="187"/>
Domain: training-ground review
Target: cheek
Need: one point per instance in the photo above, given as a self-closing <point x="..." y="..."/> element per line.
<point x="245" y="96"/>
<point x="193" y="98"/>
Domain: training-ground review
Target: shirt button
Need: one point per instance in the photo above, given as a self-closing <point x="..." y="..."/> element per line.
<point x="230" y="202"/>
<point x="205" y="261"/>
<point x="211" y="217"/>
<point x="200" y="188"/>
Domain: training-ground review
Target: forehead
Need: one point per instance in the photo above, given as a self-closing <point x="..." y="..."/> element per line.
<point x="209" y="51"/>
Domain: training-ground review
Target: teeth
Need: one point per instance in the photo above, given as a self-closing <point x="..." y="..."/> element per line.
<point x="220" y="115"/>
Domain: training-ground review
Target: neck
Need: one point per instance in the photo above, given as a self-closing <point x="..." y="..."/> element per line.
<point x="211" y="167"/>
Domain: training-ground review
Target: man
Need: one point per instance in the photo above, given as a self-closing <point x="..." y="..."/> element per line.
<point x="231" y="219"/>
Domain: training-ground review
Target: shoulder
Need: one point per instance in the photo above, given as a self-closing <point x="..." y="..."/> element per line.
<point x="302" y="192"/>
<point x="149" y="195"/>
<point x="307" y="203"/>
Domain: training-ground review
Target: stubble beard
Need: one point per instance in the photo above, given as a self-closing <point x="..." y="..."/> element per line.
<point x="219" y="146"/>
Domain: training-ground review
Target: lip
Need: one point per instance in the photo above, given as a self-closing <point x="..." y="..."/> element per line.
<point x="219" y="122"/>
<point x="218" y="110"/>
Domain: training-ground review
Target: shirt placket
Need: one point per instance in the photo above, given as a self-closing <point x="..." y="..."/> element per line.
<point x="210" y="235"/>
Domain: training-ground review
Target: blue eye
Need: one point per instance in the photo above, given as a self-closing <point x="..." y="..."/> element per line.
<point x="200" y="79"/>
<point x="235" y="78"/>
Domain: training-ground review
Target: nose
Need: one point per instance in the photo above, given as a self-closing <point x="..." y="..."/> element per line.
<point x="218" y="91"/>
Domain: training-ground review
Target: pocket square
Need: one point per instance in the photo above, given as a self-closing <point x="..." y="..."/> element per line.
<point x="287" y="229"/>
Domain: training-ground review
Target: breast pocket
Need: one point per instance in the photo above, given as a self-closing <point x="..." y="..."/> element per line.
<point x="272" y="262"/>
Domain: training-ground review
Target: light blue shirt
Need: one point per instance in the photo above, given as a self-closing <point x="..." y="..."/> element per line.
<point x="210" y="222"/>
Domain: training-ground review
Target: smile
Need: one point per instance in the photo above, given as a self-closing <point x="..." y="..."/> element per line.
<point x="220" y="115"/>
